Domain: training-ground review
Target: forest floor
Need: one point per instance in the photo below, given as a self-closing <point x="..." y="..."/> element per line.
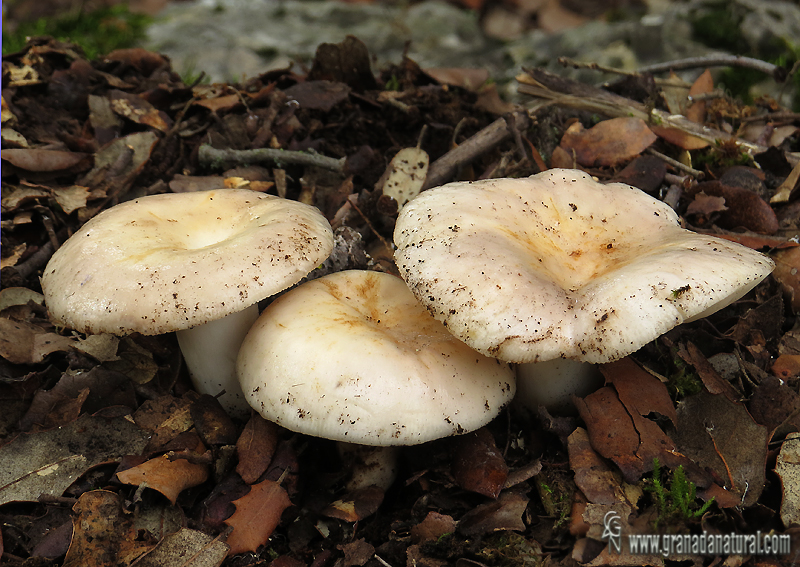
<point x="109" y="457"/>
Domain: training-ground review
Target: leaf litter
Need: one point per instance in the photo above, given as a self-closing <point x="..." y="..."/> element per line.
<point x="103" y="435"/>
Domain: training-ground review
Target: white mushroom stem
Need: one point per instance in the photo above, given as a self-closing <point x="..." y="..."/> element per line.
<point x="210" y="352"/>
<point x="369" y="466"/>
<point x="552" y="384"/>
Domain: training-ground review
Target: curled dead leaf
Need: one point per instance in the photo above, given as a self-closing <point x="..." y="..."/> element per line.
<point x="609" y="143"/>
<point x="169" y="477"/>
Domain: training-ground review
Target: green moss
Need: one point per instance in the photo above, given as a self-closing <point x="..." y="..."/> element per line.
<point x="510" y="549"/>
<point x="675" y="497"/>
<point x="683" y="381"/>
<point x="98" y="32"/>
<point x="721" y="156"/>
<point x="555" y="491"/>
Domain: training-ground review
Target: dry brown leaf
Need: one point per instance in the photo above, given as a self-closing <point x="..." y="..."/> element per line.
<point x="644" y="172"/>
<point x="505" y="513"/>
<point x="255" y="448"/>
<point x="598" y="483"/>
<point x="142" y="60"/>
<point x="720" y="434"/>
<point x="257" y="515"/>
<point x="135" y="361"/>
<point x="674" y="91"/>
<point x="5" y="114"/>
<point x="617" y="427"/>
<point x="167" y="417"/>
<point x="775" y="405"/>
<point x="638" y="389"/>
<point x="225" y="102"/>
<point x="469" y="78"/>
<point x="138" y="110"/>
<point x="186" y="183"/>
<point x="745" y="208"/>
<point x="54" y="408"/>
<point x="214" y="426"/>
<point x="14" y="199"/>
<point x="44" y="160"/>
<point x="356" y="553"/>
<point x="478" y="466"/>
<point x="119" y="161"/>
<point x="712" y="381"/>
<point x="787" y="468"/>
<point x="26" y="343"/>
<point x="355" y="505"/>
<point x="186" y="548"/>
<point x="169" y="477"/>
<point x="696" y="112"/>
<point x="318" y="95"/>
<point x="609" y="143"/>
<point x="680" y="138"/>
<point x="103" y="388"/>
<point x="14" y="256"/>
<point x="71" y="198"/>
<point x="433" y="527"/>
<point x="49" y="461"/>
<point x="705" y="206"/>
<point x="17" y="339"/>
<point x="347" y="62"/>
<point x="787" y="272"/>
<point x="103" y="534"/>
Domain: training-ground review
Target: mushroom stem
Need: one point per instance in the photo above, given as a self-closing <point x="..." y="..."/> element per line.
<point x="210" y="352"/>
<point x="552" y="384"/>
<point x="369" y="466"/>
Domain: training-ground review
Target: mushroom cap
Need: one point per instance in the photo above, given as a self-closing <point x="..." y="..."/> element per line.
<point x="353" y="356"/>
<point x="558" y="265"/>
<point x="170" y="262"/>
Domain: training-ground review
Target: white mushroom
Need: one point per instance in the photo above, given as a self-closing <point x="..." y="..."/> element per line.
<point x="560" y="266"/>
<point x="180" y="261"/>
<point x="352" y="356"/>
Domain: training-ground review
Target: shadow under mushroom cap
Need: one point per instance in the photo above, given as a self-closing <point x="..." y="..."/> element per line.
<point x="558" y="265"/>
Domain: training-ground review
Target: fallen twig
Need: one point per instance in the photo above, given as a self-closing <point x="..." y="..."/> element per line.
<point x="442" y="169"/>
<point x="215" y="158"/>
<point x="696" y="173"/>
<point x="778" y="74"/>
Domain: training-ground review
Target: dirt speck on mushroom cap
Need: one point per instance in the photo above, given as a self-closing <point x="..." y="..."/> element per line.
<point x="173" y="261"/>
<point x="558" y="265"/>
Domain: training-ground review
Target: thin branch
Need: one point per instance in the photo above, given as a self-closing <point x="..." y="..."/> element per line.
<point x="779" y="74"/>
<point x="593" y="66"/>
<point x="214" y="158"/>
<point x="696" y="173"/>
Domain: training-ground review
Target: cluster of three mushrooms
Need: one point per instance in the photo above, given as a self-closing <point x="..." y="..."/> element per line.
<point x="553" y="267"/>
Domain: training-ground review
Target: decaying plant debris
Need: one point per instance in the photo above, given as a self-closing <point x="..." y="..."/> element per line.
<point x="107" y="457"/>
